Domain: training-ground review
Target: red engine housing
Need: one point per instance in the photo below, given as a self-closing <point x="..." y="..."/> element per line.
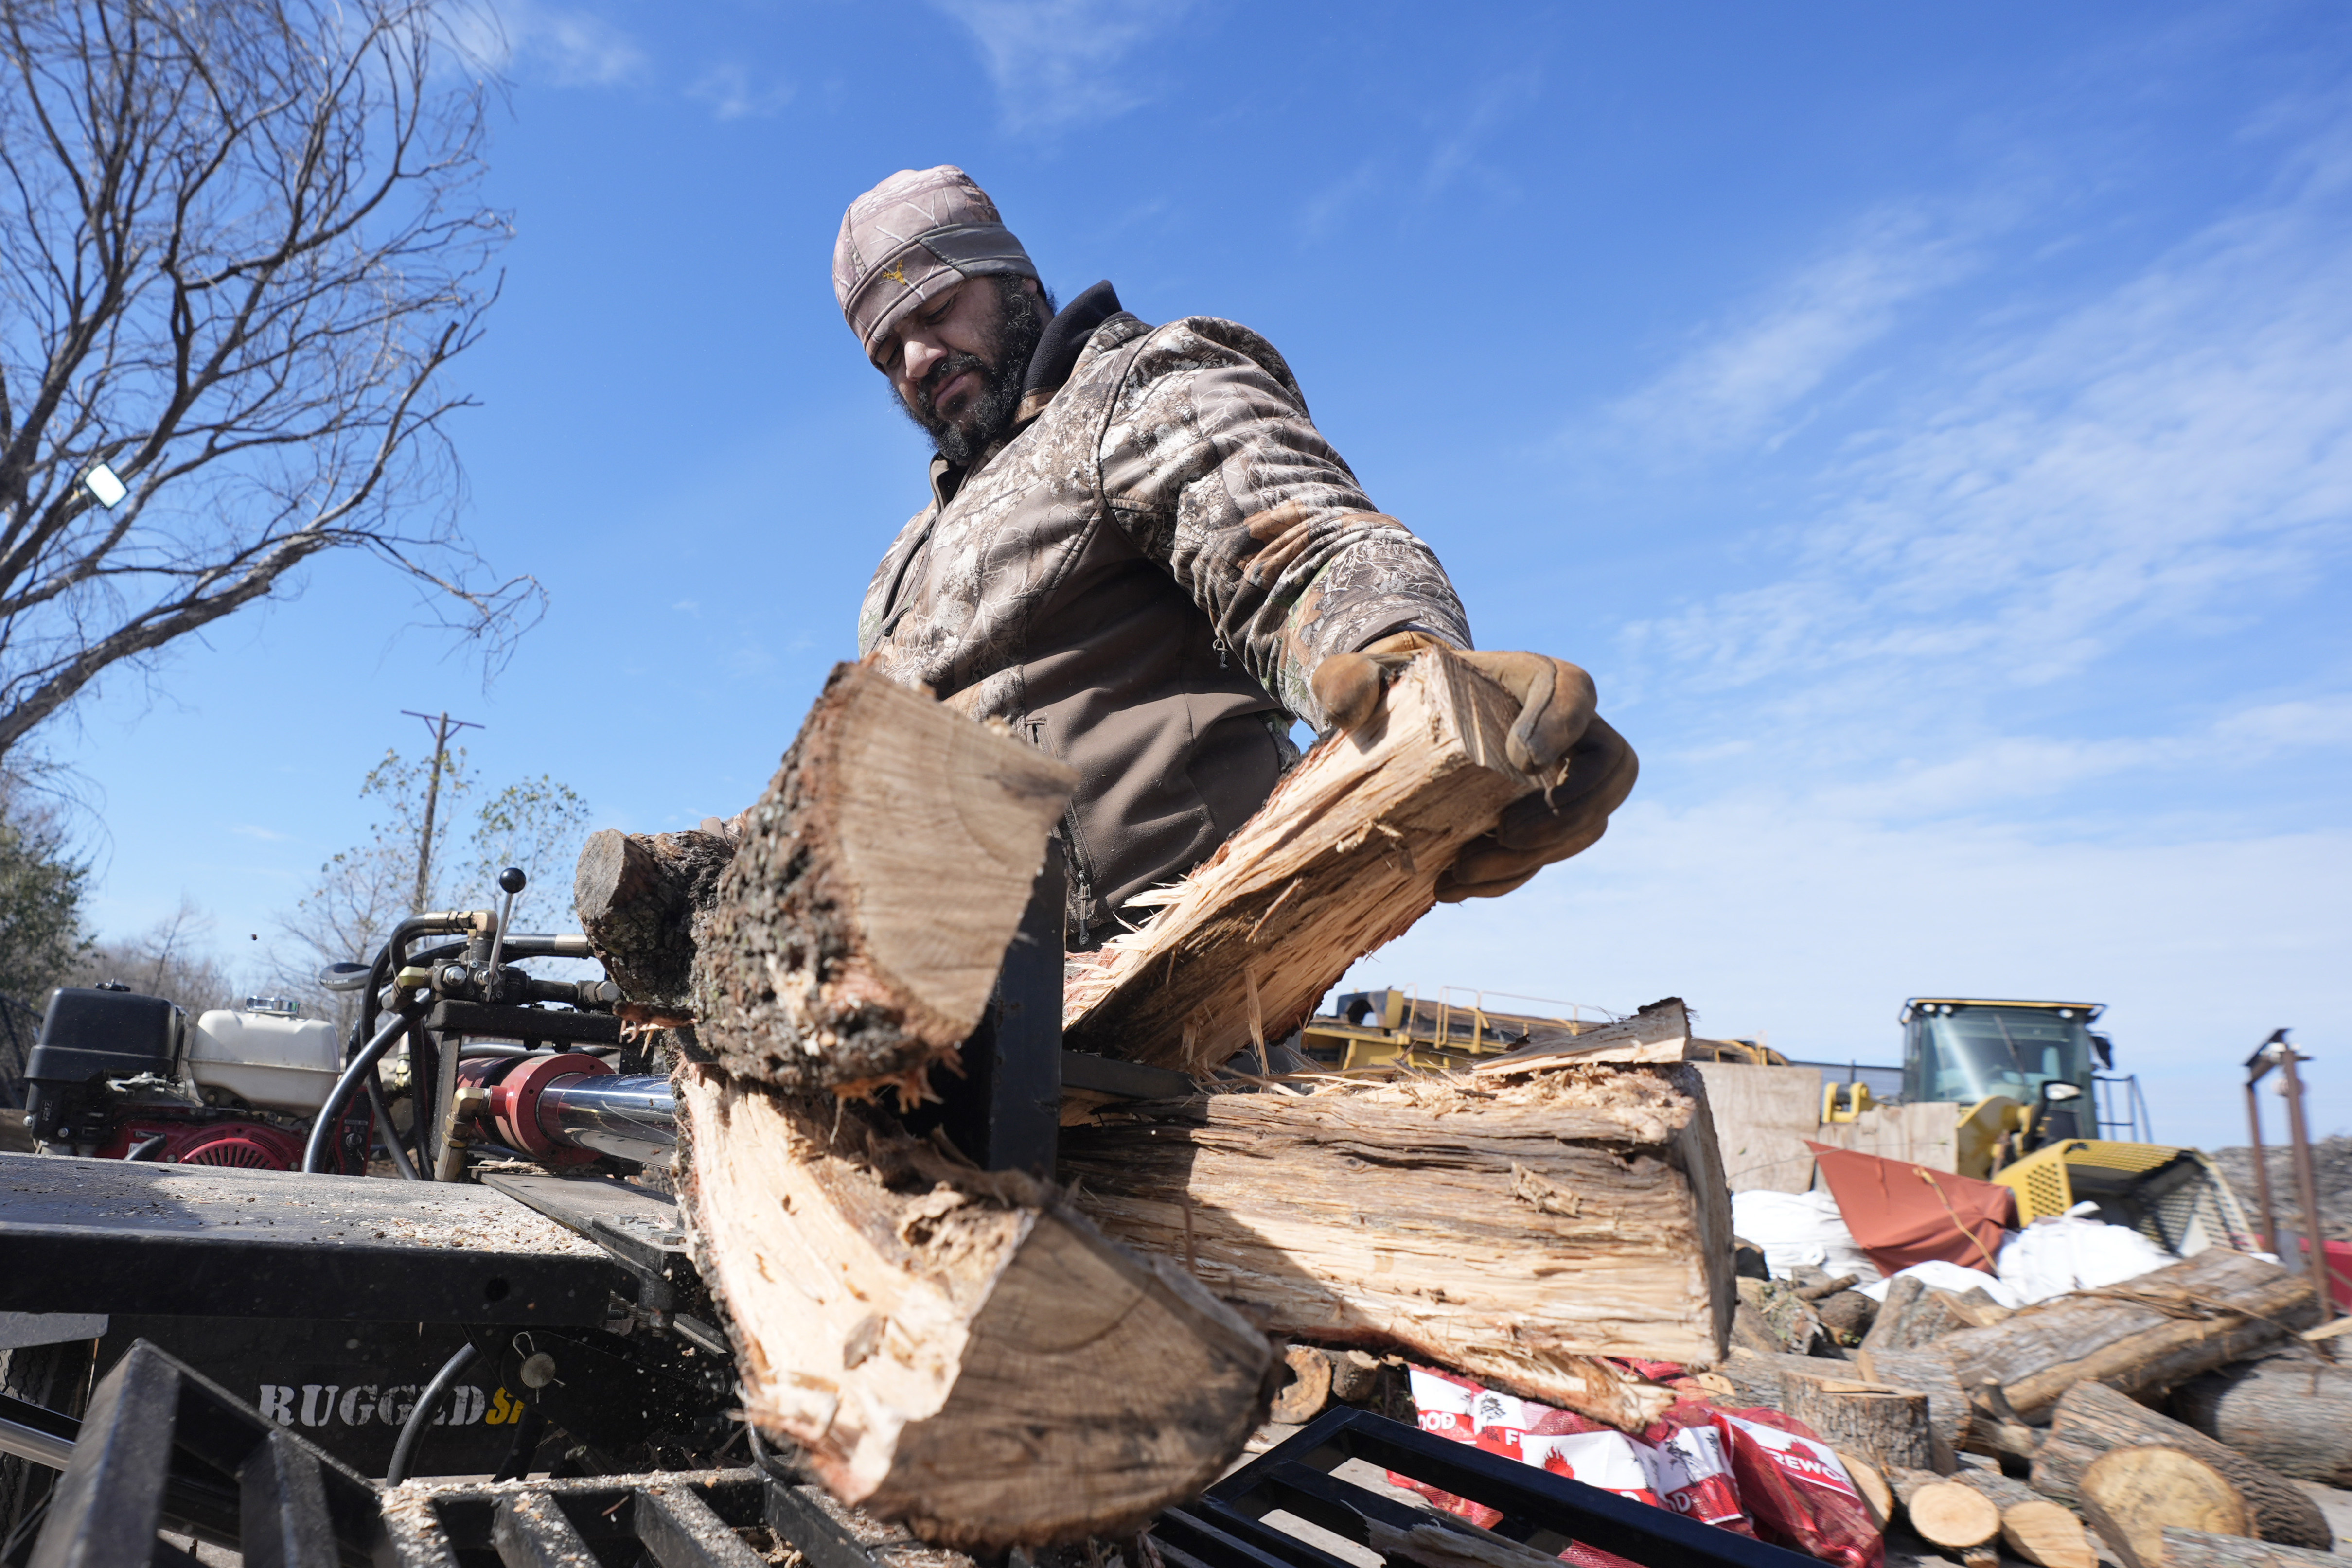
<point x="244" y="1146"/>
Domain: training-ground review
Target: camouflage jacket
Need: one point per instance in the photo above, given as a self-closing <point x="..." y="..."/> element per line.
<point x="1142" y="579"/>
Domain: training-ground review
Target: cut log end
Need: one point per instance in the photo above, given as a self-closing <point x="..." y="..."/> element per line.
<point x="2131" y="1495"/>
<point x="859" y="927"/>
<point x="954" y="1350"/>
<point x="1952" y="1518"/>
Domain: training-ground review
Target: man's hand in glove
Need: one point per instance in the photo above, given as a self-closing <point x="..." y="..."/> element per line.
<point x="1556" y="720"/>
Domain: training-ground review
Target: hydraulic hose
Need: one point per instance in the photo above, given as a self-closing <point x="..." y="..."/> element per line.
<point x="412" y="1431"/>
<point x="385" y="1131"/>
<point x="330" y="1114"/>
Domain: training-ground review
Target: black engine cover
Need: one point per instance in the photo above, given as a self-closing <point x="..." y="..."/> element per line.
<point x="89" y="1036"/>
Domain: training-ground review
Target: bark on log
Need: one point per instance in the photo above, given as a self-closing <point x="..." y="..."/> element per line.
<point x="2201" y="1549"/>
<point x="1511" y="1230"/>
<point x="857" y="931"/>
<point x="1922" y="1316"/>
<point x="2292" y="1413"/>
<point x="637" y="896"/>
<point x="2142" y="1336"/>
<point x="1343" y="857"/>
<point x="1888" y="1426"/>
<point x="953" y="1348"/>
<point x="1888" y="1329"/>
<point x="1355" y="1376"/>
<point x="1773" y="1320"/>
<point x="1930" y="1372"/>
<point x="1847" y="1316"/>
<point x="1756" y="1377"/>
<point x="2058" y="1467"/>
<point x="2131" y="1495"/>
<point x="2095" y="1418"/>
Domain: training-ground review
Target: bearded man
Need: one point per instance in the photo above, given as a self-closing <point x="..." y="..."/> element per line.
<point x="1142" y="552"/>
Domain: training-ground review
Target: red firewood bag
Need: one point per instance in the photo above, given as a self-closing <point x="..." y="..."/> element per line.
<point x="1695" y="1468"/>
<point x="1799" y="1494"/>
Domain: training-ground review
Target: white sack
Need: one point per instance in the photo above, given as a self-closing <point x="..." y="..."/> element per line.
<point x="1939" y="1275"/>
<point x="1798" y="1227"/>
<point x="2052" y="1257"/>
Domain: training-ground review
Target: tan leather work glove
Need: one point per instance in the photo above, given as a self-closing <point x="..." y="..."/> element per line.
<point x="1556" y="721"/>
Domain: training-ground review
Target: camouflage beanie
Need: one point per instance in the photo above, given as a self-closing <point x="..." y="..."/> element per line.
<point x="912" y="237"/>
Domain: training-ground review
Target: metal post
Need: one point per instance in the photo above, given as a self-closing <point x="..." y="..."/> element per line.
<point x="1005" y="1112"/>
<point x="2307" y="1183"/>
<point x="2262" y="1159"/>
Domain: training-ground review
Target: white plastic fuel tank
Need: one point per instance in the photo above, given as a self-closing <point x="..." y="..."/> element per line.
<point x="265" y="1059"/>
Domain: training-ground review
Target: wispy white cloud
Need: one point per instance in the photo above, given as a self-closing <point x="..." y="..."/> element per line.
<point x="1745" y="380"/>
<point x="560" y="44"/>
<point x="1492" y="103"/>
<point x="2178" y="451"/>
<point x="1986" y="709"/>
<point x="732" y="93"/>
<point x="1056" y="63"/>
<point x="266" y="835"/>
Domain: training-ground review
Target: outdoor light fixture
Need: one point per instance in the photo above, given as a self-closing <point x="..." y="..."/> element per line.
<point x="102" y="483"/>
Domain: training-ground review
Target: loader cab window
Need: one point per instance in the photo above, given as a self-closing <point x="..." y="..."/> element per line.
<point x="1966" y="1053"/>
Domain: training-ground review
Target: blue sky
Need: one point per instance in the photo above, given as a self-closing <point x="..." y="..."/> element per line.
<point x="1933" y="426"/>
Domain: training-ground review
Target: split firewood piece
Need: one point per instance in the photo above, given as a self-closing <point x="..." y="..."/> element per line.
<point x="2034" y="1527"/>
<point x="2144" y="1335"/>
<point x="1947" y="1516"/>
<point x="857" y="931"/>
<point x="1344" y="856"/>
<point x="956" y="1349"/>
<point x="2131" y="1495"/>
<point x="1885" y="1425"/>
<point x="1871" y="1482"/>
<point x="2290" y="1412"/>
<point x="2201" y="1549"/>
<point x="2093" y="1418"/>
<point x="1514" y="1232"/>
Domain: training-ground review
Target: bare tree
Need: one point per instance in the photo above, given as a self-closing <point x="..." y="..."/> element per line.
<point x="240" y="247"/>
<point x="363" y="892"/>
<point x="43" y="886"/>
<point x="173" y="959"/>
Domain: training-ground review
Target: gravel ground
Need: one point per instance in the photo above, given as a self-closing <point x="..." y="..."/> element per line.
<point x="2331" y="1160"/>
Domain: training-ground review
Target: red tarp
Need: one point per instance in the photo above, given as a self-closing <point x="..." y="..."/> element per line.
<point x="1903" y="1213"/>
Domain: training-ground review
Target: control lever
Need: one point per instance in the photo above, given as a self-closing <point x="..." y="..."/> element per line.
<point x="511" y="882"/>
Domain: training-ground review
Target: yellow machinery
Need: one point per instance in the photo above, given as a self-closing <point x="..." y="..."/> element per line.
<point x="1383" y="1032"/>
<point x="2175" y="1198"/>
<point x="2023" y="1078"/>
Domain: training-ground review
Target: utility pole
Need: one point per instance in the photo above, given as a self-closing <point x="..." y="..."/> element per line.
<point x="443" y="727"/>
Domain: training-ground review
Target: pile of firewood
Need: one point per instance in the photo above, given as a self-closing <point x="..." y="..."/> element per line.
<point x="1982" y="1427"/>
<point x="997" y="1358"/>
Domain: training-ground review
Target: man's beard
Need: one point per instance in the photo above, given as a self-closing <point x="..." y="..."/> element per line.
<point x="988" y="414"/>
